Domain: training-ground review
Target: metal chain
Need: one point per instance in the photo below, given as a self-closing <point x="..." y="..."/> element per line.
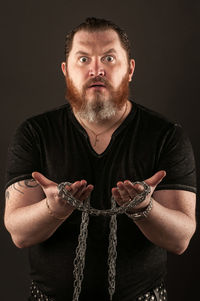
<point x="139" y="198"/>
<point x="79" y="261"/>
<point x="112" y="252"/>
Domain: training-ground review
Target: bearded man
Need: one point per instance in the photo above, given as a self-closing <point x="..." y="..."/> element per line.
<point x="101" y="142"/>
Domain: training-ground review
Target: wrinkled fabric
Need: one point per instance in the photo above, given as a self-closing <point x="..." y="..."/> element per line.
<point x="55" y="144"/>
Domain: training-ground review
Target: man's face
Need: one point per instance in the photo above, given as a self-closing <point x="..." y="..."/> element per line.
<point x="97" y="74"/>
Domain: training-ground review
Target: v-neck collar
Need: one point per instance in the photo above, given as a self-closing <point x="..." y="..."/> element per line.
<point x="118" y="130"/>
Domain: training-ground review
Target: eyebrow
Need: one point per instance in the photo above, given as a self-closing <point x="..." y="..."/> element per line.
<point x="80" y="52"/>
<point x="112" y="50"/>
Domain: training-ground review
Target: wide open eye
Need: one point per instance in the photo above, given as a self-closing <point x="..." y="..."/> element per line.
<point x="109" y="58"/>
<point x="83" y="59"/>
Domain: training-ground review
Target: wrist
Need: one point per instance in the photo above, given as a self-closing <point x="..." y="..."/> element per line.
<point x="142" y="206"/>
<point x="142" y="213"/>
<point x="59" y="212"/>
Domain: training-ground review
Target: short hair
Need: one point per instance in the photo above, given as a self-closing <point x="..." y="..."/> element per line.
<point x="93" y="24"/>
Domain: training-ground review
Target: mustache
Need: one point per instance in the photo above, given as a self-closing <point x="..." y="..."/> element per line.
<point x="96" y="79"/>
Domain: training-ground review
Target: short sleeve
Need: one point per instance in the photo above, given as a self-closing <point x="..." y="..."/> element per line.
<point x="23" y="155"/>
<point x="177" y="159"/>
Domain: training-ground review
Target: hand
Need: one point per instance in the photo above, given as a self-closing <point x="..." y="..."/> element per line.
<point x="126" y="191"/>
<point x="79" y="189"/>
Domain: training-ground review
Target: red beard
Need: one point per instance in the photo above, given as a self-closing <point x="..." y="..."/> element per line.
<point x="78" y="100"/>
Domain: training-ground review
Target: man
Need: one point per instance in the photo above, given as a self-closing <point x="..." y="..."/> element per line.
<point x="101" y="142"/>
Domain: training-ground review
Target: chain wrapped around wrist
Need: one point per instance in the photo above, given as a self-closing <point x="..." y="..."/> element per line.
<point x="79" y="261"/>
<point x="71" y="200"/>
<point x="143" y="213"/>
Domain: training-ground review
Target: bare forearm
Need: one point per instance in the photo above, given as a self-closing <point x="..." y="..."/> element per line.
<point x="32" y="224"/>
<point x="29" y="217"/>
<point x="167" y="228"/>
<point x="171" y="222"/>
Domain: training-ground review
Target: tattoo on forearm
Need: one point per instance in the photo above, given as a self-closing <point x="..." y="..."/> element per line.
<point x="29" y="183"/>
<point x="14" y="186"/>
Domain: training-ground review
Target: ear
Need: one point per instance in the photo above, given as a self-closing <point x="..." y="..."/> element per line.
<point x="64" y="68"/>
<point x="131" y="69"/>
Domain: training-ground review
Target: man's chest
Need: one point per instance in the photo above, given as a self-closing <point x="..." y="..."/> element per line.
<point x="110" y="160"/>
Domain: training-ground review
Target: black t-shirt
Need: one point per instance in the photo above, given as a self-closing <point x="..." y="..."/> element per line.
<point x="55" y="144"/>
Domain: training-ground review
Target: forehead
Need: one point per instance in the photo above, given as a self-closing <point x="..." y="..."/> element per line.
<point x="100" y="41"/>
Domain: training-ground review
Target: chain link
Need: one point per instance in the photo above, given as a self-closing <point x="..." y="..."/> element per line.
<point x="139" y="198"/>
<point x="112" y="252"/>
<point x="79" y="261"/>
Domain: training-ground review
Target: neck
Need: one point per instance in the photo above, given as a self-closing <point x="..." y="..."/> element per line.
<point x="101" y="132"/>
<point x="99" y="125"/>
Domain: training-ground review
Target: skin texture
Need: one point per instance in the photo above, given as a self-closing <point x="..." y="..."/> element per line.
<point x="171" y="222"/>
<point x="97" y="54"/>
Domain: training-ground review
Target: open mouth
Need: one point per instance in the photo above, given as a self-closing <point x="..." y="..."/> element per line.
<point x="97" y="85"/>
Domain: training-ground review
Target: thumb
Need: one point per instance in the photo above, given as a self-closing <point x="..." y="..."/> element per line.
<point x="156" y="179"/>
<point x="42" y="180"/>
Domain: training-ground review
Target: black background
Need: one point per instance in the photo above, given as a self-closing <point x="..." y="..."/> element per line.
<point x="165" y="42"/>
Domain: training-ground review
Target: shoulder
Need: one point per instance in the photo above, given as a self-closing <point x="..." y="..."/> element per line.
<point x="45" y="120"/>
<point x="154" y="126"/>
<point x="148" y="116"/>
<point x="154" y="123"/>
<point x="51" y="115"/>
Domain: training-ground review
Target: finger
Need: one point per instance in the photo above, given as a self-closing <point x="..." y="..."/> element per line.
<point x="117" y="197"/>
<point x="42" y="180"/>
<point x="156" y="179"/>
<point x="74" y="188"/>
<point x="133" y="190"/>
<point x="86" y="192"/>
<point x="68" y="187"/>
<point x="124" y="193"/>
<point x="80" y="188"/>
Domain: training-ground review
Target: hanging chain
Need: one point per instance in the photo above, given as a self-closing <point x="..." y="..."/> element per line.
<point x="79" y="261"/>
<point x="112" y="252"/>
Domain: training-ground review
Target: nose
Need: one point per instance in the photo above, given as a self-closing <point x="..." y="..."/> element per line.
<point x="96" y="69"/>
<point x="99" y="72"/>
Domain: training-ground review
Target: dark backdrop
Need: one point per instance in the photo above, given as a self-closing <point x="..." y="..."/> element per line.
<point x="165" y="40"/>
